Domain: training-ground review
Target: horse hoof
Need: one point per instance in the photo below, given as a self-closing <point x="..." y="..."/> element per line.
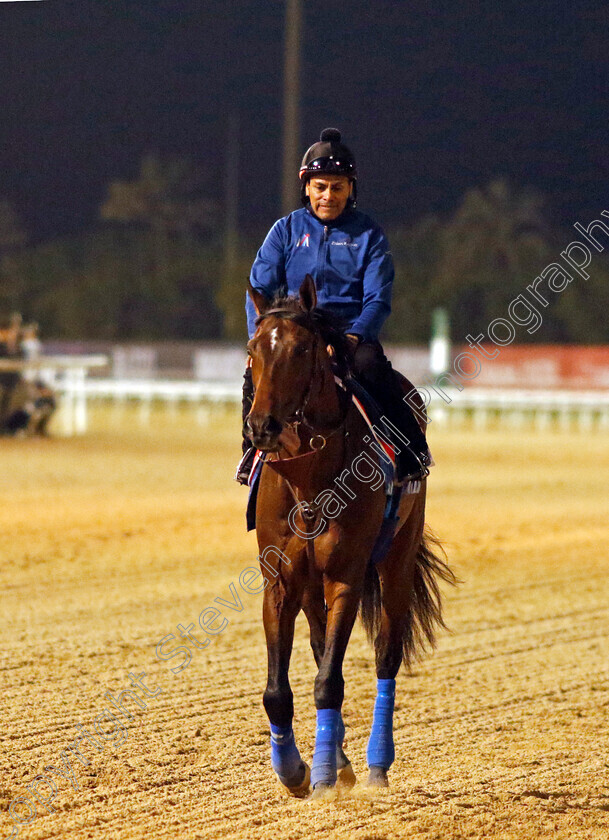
<point x="323" y="793"/>
<point x="346" y="777"/>
<point x="377" y="777"/>
<point x="301" y="789"/>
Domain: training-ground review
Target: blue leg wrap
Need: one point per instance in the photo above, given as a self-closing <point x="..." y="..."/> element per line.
<point x="340" y="737"/>
<point x="329" y="724"/>
<point x="381" y="751"/>
<point x="340" y="731"/>
<point x="285" y="757"/>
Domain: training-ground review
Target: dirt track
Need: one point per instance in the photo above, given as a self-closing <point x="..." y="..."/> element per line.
<point x="108" y="542"/>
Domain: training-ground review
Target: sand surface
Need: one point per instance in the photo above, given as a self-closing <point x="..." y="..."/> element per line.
<point x="108" y="542"/>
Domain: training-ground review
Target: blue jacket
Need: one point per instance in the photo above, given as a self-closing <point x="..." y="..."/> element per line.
<point x="349" y="259"/>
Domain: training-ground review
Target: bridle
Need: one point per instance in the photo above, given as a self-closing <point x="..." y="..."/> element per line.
<point x="317" y="441"/>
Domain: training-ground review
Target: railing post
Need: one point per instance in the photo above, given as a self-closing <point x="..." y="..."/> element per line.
<point x="80" y="400"/>
<point x="67" y="406"/>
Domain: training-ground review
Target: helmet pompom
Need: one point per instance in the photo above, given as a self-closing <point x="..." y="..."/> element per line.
<point x="330" y="135"/>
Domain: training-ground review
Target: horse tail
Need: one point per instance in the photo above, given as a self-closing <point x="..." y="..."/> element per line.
<point x="423" y="613"/>
<point x="370" y="605"/>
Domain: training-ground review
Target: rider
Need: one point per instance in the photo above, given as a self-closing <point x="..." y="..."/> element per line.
<point x="348" y="255"/>
<point x="10" y="349"/>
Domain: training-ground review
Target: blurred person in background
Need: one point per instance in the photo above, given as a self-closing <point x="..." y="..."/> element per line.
<point x="10" y="349"/>
<point x="26" y="402"/>
<point x="30" y="341"/>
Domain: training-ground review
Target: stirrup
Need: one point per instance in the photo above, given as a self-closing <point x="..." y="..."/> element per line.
<point x="424" y="460"/>
<point x="244" y="467"/>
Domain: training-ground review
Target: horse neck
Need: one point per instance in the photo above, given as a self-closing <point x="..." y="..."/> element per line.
<point x="323" y="412"/>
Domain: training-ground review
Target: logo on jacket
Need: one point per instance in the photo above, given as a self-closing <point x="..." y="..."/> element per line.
<point x="304" y="241"/>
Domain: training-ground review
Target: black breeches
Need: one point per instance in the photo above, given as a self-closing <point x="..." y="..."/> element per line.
<point x="373" y="369"/>
<point x="248" y="398"/>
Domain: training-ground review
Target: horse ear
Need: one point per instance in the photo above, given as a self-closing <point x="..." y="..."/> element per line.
<point x="261" y="304"/>
<point x="307" y="294"/>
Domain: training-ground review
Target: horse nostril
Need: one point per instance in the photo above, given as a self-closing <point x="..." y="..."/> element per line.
<point x="262" y="427"/>
<point x="273" y="427"/>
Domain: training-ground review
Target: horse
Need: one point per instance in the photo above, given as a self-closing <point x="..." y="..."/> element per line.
<point x="316" y="534"/>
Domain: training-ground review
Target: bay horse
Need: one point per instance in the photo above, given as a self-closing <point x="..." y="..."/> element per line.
<point x="316" y="523"/>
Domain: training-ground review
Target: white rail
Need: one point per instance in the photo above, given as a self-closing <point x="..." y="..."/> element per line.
<point x="542" y="408"/>
<point x="169" y="392"/>
<point x="67" y="375"/>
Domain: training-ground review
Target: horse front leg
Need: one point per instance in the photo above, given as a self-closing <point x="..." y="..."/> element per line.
<point x="342" y="600"/>
<point x="279" y="615"/>
<point x="315" y="610"/>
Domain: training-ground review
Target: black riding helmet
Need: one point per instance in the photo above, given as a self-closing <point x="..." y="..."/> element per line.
<point x="328" y="157"/>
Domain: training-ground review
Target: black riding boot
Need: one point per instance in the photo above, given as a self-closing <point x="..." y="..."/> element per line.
<point x="374" y="371"/>
<point x="245" y="464"/>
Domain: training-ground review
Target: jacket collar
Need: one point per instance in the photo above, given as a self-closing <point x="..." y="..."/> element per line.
<point x="347" y="214"/>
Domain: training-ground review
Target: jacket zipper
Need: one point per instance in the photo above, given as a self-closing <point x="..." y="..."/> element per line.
<point x="321" y="258"/>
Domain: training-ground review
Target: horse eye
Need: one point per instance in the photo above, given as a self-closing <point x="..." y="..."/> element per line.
<point x="302" y="350"/>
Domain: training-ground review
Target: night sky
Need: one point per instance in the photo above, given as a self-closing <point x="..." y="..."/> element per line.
<point x="432" y="97"/>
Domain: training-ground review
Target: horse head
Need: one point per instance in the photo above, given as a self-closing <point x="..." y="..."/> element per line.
<point x="288" y="359"/>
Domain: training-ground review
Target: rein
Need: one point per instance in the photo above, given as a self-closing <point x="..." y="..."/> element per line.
<point x="317" y="442"/>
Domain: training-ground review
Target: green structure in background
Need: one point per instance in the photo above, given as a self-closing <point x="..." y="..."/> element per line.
<point x="439" y="345"/>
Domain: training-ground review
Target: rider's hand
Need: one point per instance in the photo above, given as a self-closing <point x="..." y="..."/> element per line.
<point x="353" y="340"/>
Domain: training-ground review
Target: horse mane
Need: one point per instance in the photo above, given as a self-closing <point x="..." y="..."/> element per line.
<point x="318" y="321"/>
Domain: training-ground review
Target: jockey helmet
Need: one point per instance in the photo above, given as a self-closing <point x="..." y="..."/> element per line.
<point x="329" y="156"/>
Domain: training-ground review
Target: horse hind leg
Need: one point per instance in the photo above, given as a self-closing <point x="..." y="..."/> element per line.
<point x="314" y="608"/>
<point x="401" y="610"/>
<point x="380" y="752"/>
<point x="346" y="777"/>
